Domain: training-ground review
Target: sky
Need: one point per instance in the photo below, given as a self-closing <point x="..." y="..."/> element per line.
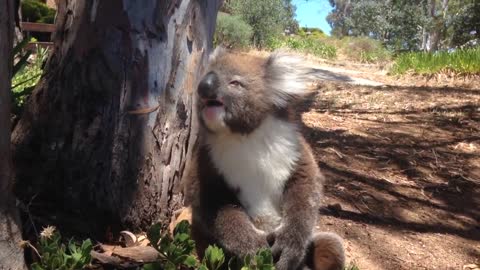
<point x="313" y="13"/>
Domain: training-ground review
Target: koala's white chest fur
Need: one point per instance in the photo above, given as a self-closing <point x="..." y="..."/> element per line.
<point x="258" y="165"/>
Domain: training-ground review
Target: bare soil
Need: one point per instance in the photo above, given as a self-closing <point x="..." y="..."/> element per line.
<point x="403" y="168"/>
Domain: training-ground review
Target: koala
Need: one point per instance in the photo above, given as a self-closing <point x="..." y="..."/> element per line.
<point x="258" y="183"/>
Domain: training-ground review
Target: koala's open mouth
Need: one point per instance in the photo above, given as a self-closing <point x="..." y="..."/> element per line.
<point x="213" y="103"/>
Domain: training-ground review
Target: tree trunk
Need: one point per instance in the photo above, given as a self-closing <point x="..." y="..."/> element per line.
<point x="11" y="255"/>
<point x="437" y="28"/>
<point x="107" y="133"/>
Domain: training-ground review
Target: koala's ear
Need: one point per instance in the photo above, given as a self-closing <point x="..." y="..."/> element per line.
<point x="216" y="53"/>
<point x="287" y="77"/>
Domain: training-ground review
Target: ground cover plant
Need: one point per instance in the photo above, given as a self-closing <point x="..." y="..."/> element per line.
<point x="460" y="62"/>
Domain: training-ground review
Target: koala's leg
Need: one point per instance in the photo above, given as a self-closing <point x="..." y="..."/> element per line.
<point x="325" y="252"/>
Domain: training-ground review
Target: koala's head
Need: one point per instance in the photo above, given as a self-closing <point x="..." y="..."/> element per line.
<point x="240" y="90"/>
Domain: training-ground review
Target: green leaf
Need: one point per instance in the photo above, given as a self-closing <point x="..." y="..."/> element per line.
<point x="153" y="234"/>
<point x="20" y="46"/>
<point x="165" y="244"/>
<point x="202" y="267"/>
<point x="182" y="228"/>
<point x="152" y="266"/>
<point x="190" y="261"/>
<point x="36" y="266"/>
<point x="21" y="63"/>
<point x="181" y="237"/>
<point x="214" y="257"/>
<point x="169" y="266"/>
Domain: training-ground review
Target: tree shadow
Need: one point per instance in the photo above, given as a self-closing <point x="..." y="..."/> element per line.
<point x="407" y="174"/>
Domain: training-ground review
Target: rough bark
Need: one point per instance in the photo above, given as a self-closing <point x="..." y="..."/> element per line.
<point x="107" y="132"/>
<point x="11" y="255"/>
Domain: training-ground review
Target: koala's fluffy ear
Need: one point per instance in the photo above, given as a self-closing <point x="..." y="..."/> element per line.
<point x="287" y="76"/>
<point x="216" y="53"/>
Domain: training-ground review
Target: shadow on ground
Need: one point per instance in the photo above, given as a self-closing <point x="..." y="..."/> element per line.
<point x="407" y="161"/>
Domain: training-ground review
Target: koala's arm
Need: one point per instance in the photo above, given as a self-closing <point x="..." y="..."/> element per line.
<point x="227" y="223"/>
<point x="300" y="211"/>
<point x="235" y="232"/>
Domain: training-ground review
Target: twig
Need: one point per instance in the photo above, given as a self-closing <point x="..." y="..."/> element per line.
<point x="336" y="152"/>
<point x="436" y="158"/>
<point x="365" y="157"/>
<point x="25" y="243"/>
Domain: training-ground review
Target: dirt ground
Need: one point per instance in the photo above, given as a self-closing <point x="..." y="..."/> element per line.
<point x="403" y="168"/>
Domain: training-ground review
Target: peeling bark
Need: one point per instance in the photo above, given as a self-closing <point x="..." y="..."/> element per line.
<point x="107" y="132"/>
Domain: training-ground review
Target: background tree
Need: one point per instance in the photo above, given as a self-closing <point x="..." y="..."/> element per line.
<point x="11" y="254"/>
<point x="407" y="24"/>
<point x="268" y="18"/>
<point x="463" y="22"/>
<point x="106" y="135"/>
<point x="336" y="18"/>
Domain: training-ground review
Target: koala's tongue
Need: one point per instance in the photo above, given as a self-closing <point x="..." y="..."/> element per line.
<point x="213" y="112"/>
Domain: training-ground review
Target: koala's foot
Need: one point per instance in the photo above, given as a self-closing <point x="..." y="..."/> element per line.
<point x="327" y="252"/>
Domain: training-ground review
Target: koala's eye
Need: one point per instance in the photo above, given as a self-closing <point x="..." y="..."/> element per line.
<point x="235" y="83"/>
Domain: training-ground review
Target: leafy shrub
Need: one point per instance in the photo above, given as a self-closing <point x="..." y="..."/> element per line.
<point x="36" y="11"/>
<point x="232" y="31"/>
<point x="462" y="62"/>
<point x="56" y="255"/>
<point x="311" y="32"/>
<point x="364" y="49"/>
<point x="309" y="45"/>
<point x="177" y="253"/>
<point x="26" y="73"/>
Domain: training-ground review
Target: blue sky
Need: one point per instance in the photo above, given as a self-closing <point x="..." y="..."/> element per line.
<point x="313" y="13"/>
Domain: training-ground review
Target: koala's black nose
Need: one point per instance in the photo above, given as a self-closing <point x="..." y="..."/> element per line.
<point x="208" y="86"/>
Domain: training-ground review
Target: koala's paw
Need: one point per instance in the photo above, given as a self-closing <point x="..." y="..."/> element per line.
<point x="287" y="251"/>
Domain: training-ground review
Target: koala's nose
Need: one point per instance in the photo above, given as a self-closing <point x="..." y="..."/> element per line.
<point x="208" y="86"/>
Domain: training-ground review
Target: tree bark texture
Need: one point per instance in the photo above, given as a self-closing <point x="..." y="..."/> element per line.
<point x="108" y="131"/>
<point x="11" y="255"/>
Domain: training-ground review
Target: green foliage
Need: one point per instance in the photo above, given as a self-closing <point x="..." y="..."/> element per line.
<point x="174" y="251"/>
<point x="351" y="267"/>
<point x="36" y="11"/>
<point x="311" y="32"/>
<point x="268" y="18"/>
<point x="364" y="49"/>
<point x="395" y="23"/>
<point x="232" y="31"/>
<point x="26" y="73"/>
<point x="177" y="253"/>
<point x="309" y="45"/>
<point x="214" y="258"/>
<point x="406" y="24"/>
<point x="263" y="260"/>
<point x="56" y="255"/>
<point x="463" y="62"/>
<point x="464" y="25"/>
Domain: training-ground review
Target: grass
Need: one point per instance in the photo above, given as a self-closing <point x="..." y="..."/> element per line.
<point x="460" y="62"/>
<point x="309" y="45"/>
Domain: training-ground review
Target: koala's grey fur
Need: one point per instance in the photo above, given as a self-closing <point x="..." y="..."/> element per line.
<point x="256" y="181"/>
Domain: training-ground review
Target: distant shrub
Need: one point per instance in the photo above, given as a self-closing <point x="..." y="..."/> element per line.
<point x="36" y="11"/>
<point x="463" y="62"/>
<point x="364" y="49"/>
<point x="309" y="45"/>
<point x="232" y="31"/>
<point x="311" y="32"/>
